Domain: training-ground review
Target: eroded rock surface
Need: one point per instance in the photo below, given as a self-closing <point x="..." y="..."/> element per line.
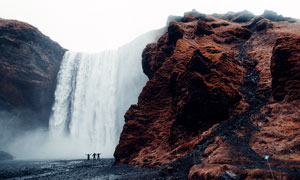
<point x="285" y="68"/>
<point x="29" y="62"/>
<point x="223" y="92"/>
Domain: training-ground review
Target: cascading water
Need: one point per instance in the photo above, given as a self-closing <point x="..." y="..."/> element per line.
<point x="93" y="93"/>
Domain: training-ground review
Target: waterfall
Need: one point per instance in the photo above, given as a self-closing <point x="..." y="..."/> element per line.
<point x="93" y="92"/>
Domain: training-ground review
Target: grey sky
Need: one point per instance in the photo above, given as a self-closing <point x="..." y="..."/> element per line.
<point x="92" y="25"/>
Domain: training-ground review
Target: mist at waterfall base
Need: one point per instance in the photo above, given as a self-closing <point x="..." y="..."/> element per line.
<point x="93" y="92"/>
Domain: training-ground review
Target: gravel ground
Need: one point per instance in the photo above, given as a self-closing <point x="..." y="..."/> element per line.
<point x="73" y="169"/>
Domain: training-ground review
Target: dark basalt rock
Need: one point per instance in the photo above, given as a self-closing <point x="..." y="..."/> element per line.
<point x="239" y="17"/>
<point x="195" y="15"/>
<point x="243" y="16"/>
<point x="273" y="16"/>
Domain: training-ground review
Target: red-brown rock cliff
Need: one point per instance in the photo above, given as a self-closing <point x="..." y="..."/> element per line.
<point x="29" y="62"/>
<point x="223" y="92"/>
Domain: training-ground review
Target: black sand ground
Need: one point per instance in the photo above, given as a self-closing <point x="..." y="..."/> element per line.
<point x="72" y="169"/>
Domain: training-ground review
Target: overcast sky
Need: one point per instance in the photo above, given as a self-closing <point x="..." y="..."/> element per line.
<point x="92" y="25"/>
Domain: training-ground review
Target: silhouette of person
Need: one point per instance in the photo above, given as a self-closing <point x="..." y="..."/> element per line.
<point x="88" y="156"/>
<point x="98" y="156"/>
<point x="94" y="156"/>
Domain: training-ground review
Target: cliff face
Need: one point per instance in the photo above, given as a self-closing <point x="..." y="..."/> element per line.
<point x="223" y="92"/>
<point x="29" y="62"/>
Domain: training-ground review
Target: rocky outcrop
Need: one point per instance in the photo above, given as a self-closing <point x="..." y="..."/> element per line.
<point x="29" y="62"/>
<point x="285" y="68"/>
<point x="273" y="16"/>
<point x="188" y="86"/>
<point x="223" y="92"/>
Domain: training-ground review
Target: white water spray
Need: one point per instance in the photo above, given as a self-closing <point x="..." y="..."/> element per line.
<point x="92" y="95"/>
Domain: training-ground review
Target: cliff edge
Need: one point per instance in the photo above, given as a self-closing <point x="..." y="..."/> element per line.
<point x="29" y="63"/>
<point x="223" y="92"/>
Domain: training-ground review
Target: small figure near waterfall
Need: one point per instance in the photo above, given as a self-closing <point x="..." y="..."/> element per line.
<point x="98" y="156"/>
<point x="88" y="156"/>
<point x="94" y="156"/>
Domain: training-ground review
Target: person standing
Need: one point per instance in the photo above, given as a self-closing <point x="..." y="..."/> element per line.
<point x="98" y="156"/>
<point x="88" y="156"/>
